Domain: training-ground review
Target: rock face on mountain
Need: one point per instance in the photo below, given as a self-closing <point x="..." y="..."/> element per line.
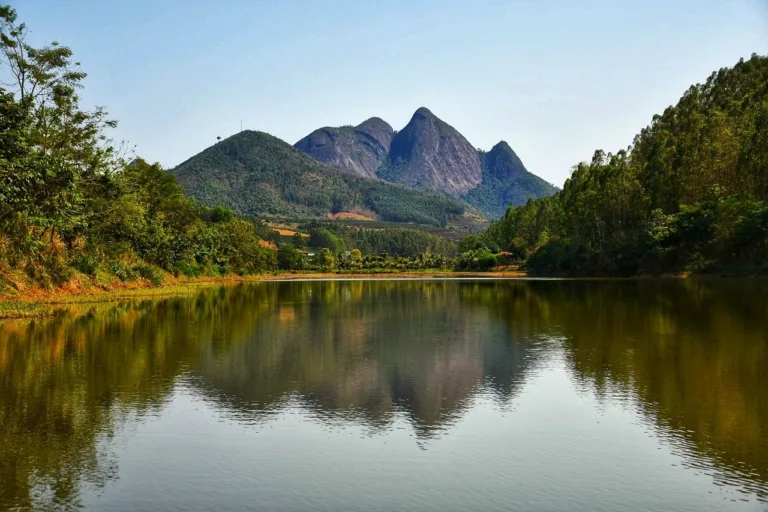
<point x="358" y="149"/>
<point x="505" y="182"/>
<point x="502" y="163"/>
<point x="429" y="153"/>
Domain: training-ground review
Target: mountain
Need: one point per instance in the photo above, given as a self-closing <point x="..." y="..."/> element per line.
<point x="429" y="154"/>
<point x="356" y="149"/>
<point x="505" y="182"/>
<point x="257" y="174"/>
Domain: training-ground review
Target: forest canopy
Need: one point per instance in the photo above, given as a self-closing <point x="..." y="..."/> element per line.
<point x="689" y="195"/>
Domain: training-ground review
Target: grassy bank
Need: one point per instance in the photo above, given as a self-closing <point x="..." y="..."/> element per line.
<point x="36" y="302"/>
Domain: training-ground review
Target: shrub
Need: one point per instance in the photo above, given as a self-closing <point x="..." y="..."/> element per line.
<point x="479" y="259"/>
<point x="150" y="273"/>
<point x="86" y="264"/>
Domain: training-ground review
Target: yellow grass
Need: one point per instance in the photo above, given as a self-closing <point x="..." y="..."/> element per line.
<point x="348" y="216"/>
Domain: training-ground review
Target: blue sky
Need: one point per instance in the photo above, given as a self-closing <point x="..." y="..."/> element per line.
<point x="555" y="79"/>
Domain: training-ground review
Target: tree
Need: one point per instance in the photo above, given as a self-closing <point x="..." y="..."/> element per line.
<point x="470" y="243"/>
<point x="70" y="203"/>
<point x="326" y="261"/>
<point x="221" y="214"/>
<point x="68" y="151"/>
<point x="325" y="239"/>
<point x="689" y="194"/>
<point x="289" y="258"/>
<point x="298" y="241"/>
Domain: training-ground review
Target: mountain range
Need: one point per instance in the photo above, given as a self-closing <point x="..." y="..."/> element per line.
<point x="429" y="154"/>
<point x="257" y="174"/>
<point x="427" y="173"/>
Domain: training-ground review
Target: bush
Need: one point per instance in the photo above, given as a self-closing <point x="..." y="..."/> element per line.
<point x="298" y="241"/>
<point x="221" y="214"/>
<point x="150" y="273"/>
<point x="122" y="271"/>
<point x="471" y="243"/>
<point x="187" y="270"/>
<point x="479" y="259"/>
<point x="86" y="265"/>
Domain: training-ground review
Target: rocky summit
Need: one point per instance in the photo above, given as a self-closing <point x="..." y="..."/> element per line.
<point x="505" y="182"/>
<point x="429" y="154"/>
<point x="358" y="149"/>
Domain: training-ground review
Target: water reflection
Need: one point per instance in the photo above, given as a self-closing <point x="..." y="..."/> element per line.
<point x="689" y="355"/>
<point x="363" y="350"/>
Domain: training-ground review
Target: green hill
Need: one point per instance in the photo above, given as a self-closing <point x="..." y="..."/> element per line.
<point x="257" y="174"/>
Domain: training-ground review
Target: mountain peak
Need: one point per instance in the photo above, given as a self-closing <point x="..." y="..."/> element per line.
<point x="502" y="146"/>
<point x="375" y="121"/>
<point x="256" y="174"/>
<point x="380" y="135"/>
<point x="423" y="111"/>
<point x="503" y="163"/>
<point x="504" y="158"/>
<point x="429" y="153"/>
<point x="356" y="150"/>
<point x="505" y="181"/>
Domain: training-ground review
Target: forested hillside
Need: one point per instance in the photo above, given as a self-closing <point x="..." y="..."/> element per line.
<point x="255" y="174"/>
<point x="688" y="195"/>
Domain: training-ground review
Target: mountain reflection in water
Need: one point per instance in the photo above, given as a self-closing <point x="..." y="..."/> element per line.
<point x="688" y="356"/>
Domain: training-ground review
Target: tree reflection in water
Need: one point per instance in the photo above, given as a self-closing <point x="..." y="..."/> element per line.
<point x="690" y="355"/>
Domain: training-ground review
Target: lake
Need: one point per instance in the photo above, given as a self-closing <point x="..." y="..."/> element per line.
<point x="384" y="395"/>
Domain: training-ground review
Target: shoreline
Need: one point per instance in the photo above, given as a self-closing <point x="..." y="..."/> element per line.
<point x="35" y="302"/>
<point x="39" y="303"/>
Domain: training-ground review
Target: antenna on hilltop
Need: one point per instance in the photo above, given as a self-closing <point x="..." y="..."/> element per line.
<point x="241" y="125"/>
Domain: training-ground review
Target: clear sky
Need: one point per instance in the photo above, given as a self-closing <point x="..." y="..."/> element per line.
<point x="555" y="79"/>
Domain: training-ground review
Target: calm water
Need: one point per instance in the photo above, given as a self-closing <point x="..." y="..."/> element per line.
<point x="394" y="395"/>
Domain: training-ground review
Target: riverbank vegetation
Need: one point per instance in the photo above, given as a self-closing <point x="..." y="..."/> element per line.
<point x="689" y="195"/>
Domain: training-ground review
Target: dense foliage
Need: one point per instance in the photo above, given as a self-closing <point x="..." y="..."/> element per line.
<point x="255" y="174"/>
<point x="68" y="201"/>
<point x="393" y="241"/>
<point x="690" y="194"/>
